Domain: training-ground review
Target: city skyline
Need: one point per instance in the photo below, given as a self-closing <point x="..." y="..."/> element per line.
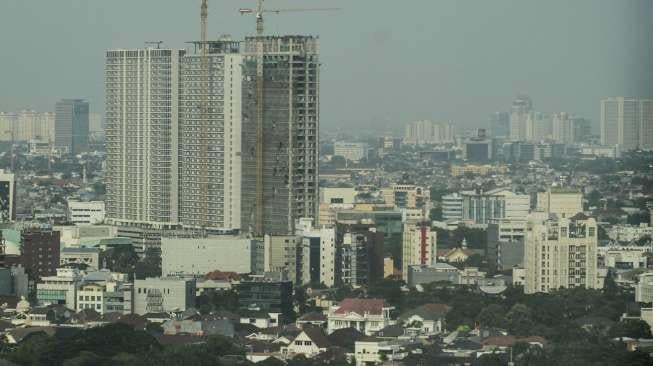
<point x="485" y="54"/>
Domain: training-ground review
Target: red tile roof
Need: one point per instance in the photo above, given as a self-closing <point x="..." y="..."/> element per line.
<point x="361" y="306"/>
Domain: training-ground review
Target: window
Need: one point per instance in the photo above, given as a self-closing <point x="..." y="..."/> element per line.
<point x="298" y="343"/>
<point x="307" y="343"/>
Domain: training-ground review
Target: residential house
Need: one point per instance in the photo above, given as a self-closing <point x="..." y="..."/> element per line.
<point x="310" y="342"/>
<point x="426" y="320"/>
<point x="365" y="315"/>
<point x="259" y="318"/>
<point x="374" y="351"/>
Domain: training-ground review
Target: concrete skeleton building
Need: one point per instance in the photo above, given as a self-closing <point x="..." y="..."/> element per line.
<point x="291" y="121"/>
<point x="560" y="253"/>
<point x="627" y="122"/>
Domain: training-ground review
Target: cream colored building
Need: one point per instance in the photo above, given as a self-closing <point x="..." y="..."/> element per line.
<point x="560" y="253"/>
<point x="337" y="195"/>
<point x="560" y="201"/>
<point x="412" y="247"/>
<point x="406" y="195"/>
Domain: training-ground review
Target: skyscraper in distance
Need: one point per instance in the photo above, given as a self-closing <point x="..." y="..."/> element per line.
<point x="520" y="114"/>
<point x="627" y="122"/>
<point x="71" y="125"/>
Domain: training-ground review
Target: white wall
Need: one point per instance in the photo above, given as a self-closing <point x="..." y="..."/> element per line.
<point x="200" y="256"/>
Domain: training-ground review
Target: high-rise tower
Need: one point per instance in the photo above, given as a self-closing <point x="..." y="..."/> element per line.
<point x="142" y="130"/>
<point x="627" y="122"/>
<point x="71" y="125"/>
<point x="290" y="133"/>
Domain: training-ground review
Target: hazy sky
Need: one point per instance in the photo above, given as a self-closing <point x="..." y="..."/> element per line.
<point x="385" y="62"/>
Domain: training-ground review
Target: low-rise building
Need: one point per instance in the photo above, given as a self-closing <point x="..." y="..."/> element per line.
<point x="437" y="272"/>
<point x="365" y="315"/>
<point x="426" y="320"/>
<point x="310" y="342"/>
<point x="644" y="288"/>
<point x="269" y="296"/>
<point x="60" y="289"/>
<point x="165" y="294"/>
<point x="83" y="258"/>
<point x="86" y="213"/>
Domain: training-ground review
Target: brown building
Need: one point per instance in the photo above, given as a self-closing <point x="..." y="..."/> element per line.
<point x="40" y="252"/>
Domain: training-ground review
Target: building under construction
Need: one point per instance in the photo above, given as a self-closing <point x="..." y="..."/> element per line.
<point x="288" y="170"/>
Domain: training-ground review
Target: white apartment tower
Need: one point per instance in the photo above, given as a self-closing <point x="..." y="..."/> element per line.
<point x="142" y="128"/>
<point x="560" y="253"/>
<point x="210" y="181"/>
<point x="521" y="116"/>
<point x="627" y="122"/>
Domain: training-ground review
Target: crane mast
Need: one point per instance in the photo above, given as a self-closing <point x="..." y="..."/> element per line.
<point x="258" y="225"/>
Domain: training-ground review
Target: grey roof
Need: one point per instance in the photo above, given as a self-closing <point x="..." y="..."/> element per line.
<point x="390" y="331"/>
<point x="221" y="327"/>
<point x="314" y="316"/>
<point x="80" y="250"/>
<point x="427" y="311"/>
<point x="317" y="336"/>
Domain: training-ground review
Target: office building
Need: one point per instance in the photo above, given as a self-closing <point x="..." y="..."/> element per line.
<point x="478" y="148"/>
<point x="142" y="136"/>
<point x="289" y="147"/>
<point x="560" y="253"/>
<point x="581" y="129"/>
<point x="353" y="151"/>
<point x="7" y="197"/>
<point x="564" y="202"/>
<point x="39" y="251"/>
<point x="563" y="131"/>
<point x="406" y="196"/>
<point x="199" y="255"/>
<point x="481" y="207"/>
<point x="286" y="255"/>
<point x="338" y="195"/>
<point x="106" y="296"/>
<point x="388" y="145"/>
<point x="419" y="246"/>
<point x="60" y="288"/>
<point x="500" y="124"/>
<point x="85" y="213"/>
<point x="428" y="133"/>
<point x="71" y="126"/>
<point x="452" y="206"/>
<point x="436" y="272"/>
<point x="505" y="243"/>
<point x="644" y="288"/>
<point x="82" y="258"/>
<point x="360" y="254"/>
<point x="266" y="295"/>
<point x="627" y="122"/>
<point x="210" y="147"/>
<point x="165" y="294"/>
<point x="520" y="113"/>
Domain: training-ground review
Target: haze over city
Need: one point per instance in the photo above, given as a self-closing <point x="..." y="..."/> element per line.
<point x="384" y="63"/>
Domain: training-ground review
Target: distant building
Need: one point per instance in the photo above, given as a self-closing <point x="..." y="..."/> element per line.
<point x="165" y="294"/>
<point x="520" y="113"/>
<point x="563" y="202"/>
<point x="286" y="254"/>
<point x="40" y="252"/>
<point x="268" y="296"/>
<point x="388" y="145"/>
<point x="478" y="148"/>
<point x="406" y="195"/>
<point x="480" y="207"/>
<point x="428" y="133"/>
<point x="360" y="254"/>
<point x="338" y="195"/>
<point x="452" y="207"/>
<point x="105" y="297"/>
<point x="478" y="169"/>
<point x="560" y="253"/>
<point x="197" y="256"/>
<point x="353" y="151"/>
<point x="14" y="281"/>
<point x="500" y="124"/>
<point x="86" y="213"/>
<point x="419" y="245"/>
<point x="7" y="197"/>
<point x="71" y="125"/>
<point x="627" y="122"/>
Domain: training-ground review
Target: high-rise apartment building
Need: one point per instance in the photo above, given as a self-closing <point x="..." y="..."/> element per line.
<point x="27" y="125"/>
<point x="627" y="122"/>
<point x="210" y="179"/>
<point x="560" y="253"/>
<point x="71" y="125"/>
<point x="142" y="136"/>
<point x="289" y="146"/>
<point x="520" y="113"/>
<point x="426" y="132"/>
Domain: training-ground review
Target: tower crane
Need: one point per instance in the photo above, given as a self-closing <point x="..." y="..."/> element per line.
<point x="260" y="10"/>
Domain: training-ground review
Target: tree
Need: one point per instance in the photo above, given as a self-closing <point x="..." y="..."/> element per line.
<point x="630" y="328"/>
<point x="519" y="320"/>
<point x="150" y="266"/>
<point x="492" y="316"/>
